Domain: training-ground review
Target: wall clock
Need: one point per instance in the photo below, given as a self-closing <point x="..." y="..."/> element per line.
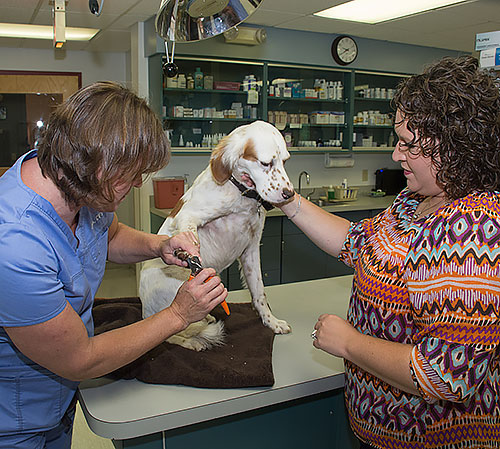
<point x="344" y="50"/>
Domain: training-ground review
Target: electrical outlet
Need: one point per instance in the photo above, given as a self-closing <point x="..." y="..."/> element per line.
<point x="364" y="175"/>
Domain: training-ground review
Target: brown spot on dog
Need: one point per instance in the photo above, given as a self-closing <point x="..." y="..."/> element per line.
<point x="176" y="208"/>
<point x="249" y="151"/>
<point x="220" y="171"/>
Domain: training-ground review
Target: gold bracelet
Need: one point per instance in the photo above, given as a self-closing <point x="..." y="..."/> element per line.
<point x="296" y="210"/>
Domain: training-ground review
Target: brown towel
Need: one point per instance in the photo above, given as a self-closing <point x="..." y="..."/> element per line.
<point x="244" y="361"/>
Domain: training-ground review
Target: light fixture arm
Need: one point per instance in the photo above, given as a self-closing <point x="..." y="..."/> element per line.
<point x="170" y="68"/>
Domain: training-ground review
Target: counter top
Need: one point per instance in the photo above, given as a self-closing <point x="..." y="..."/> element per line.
<point x="128" y="408"/>
<point x="361" y="203"/>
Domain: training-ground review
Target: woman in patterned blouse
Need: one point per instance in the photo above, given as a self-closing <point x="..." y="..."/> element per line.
<point x="421" y="340"/>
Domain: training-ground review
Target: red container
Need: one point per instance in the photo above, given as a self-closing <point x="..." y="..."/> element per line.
<point x="167" y="191"/>
<point x="226" y="85"/>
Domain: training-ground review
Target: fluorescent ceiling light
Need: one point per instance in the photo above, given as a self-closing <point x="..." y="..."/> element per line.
<point x="44" y="32"/>
<point x="369" y="11"/>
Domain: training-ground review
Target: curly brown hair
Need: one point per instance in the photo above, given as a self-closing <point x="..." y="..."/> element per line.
<point x="101" y="134"/>
<point x="455" y="108"/>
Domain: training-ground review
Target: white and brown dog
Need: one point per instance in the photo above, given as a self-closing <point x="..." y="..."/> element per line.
<point x="225" y="208"/>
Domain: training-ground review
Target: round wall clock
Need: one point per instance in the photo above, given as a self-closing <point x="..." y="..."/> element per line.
<point x="344" y="50"/>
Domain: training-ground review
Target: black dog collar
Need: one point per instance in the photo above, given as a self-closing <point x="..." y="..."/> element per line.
<point x="250" y="193"/>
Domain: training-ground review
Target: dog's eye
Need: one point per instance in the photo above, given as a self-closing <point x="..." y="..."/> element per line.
<point x="266" y="164"/>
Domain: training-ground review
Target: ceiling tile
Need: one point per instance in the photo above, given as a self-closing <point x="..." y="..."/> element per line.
<point x="454" y="27"/>
<point x="265" y="17"/>
<point x="15" y="15"/>
<point x="319" y="25"/>
<point x="110" y="40"/>
<point x="301" y="6"/>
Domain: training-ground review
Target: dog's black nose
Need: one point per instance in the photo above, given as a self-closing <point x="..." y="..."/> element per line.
<point x="287" y="193"/>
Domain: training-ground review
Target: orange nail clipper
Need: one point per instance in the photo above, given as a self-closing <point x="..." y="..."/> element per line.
<point x="195" y="266"/>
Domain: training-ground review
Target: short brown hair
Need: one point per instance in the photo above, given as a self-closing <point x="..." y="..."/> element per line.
<point x="101" y="134"/>
<point x="455" y="107"/>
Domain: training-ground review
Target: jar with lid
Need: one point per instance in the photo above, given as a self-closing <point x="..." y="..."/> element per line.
<point x="181" y="81"/>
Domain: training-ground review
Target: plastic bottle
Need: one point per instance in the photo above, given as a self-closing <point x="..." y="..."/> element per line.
<point x="190" y="82"/>
<point x="323" y="94"/>
<point x="340" y="91"/>
<point x="390" y="143"/>
<point x="331" y="90"/>
<point x="181" y="81"/>
<point x="198" y="79"/>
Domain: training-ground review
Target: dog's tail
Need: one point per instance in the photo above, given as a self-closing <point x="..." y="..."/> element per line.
<point x="204" y="334"/>
<point x="213" y="335"/>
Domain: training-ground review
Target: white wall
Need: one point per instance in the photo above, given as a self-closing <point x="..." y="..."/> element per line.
<point x="94" y="66"/>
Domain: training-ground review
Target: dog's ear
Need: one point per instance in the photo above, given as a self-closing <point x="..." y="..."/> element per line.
<point x="221" y="171"/>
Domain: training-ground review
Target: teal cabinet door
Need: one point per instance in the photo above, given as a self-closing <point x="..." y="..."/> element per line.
<point x="270" y="257"/>
<point x="317" y="421"/>
<point x="302" y="260"/>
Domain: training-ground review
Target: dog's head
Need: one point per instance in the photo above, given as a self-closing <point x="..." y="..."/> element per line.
<point x="255" y="155"/>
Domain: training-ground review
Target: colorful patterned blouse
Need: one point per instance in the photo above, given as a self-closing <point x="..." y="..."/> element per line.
<point x="433" y="283"/>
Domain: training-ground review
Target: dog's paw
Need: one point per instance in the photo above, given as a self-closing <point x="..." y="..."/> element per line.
<point x="191" y="343"/>
<point x="279" y="326"/>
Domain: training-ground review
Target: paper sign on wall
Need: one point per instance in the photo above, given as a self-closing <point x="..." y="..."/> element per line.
<point x="490" y="57"/>
<point x="487" y="40"/>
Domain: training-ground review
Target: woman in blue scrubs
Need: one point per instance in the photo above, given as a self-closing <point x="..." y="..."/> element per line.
<point x="57" y="229"/>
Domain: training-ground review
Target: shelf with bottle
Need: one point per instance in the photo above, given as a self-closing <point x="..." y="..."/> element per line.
<point x="271" y="98"/>
<point x="361" y="125"/>
<point x="198" y="150"/>
<point x="317" y="109"/>
<point x="212" y="91"/>
<point x="375" y="86"/>
<point x="309" y="105"/>
<point x="373" y="150"/>
<point x="211" y="119"/>
<point x="205" y="91"/>
<point x="372" y="119"/>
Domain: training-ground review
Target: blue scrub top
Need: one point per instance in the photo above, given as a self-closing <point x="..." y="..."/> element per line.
<point x="43" y="266"/>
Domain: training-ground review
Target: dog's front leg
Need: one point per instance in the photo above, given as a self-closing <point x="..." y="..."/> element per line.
<point x="250" y="266"/>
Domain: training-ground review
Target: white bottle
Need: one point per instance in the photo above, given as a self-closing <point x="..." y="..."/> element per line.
<point x="181" y="81"/>
<point x="322" y="90"/>
<point x="344" y="183"/>
<point x="340" y="90"/>
<point x="181" y="141"/>
<point x="331" y="90"/>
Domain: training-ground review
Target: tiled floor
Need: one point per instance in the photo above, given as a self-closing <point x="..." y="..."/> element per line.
<point x="118" y="281"/>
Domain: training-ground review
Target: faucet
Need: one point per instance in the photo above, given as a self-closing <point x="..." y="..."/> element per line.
<point x="308" y="179"/>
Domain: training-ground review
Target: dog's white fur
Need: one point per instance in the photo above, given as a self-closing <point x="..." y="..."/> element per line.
<point x="229" y="226"/>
